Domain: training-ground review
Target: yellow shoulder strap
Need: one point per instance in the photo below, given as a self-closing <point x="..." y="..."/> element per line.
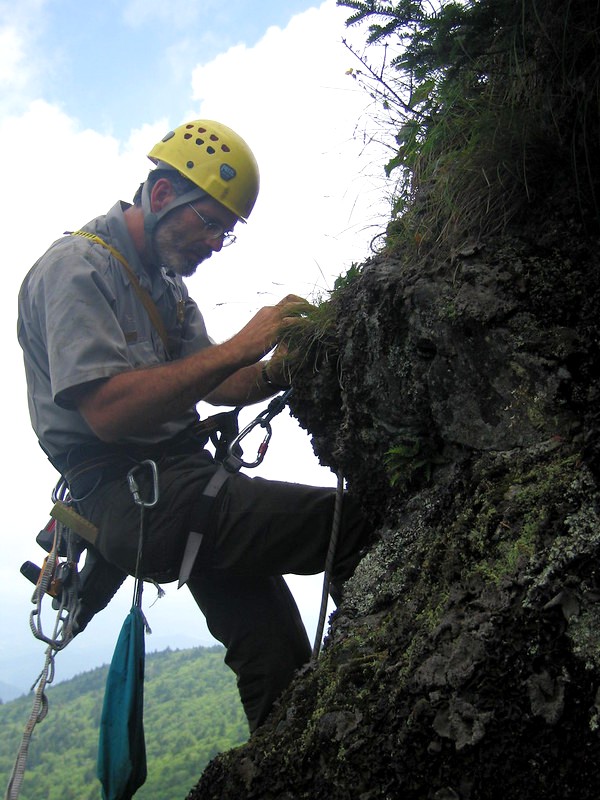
<point x="143" y="295"/>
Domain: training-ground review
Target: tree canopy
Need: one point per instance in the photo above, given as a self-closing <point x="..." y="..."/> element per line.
<point x="494" y="105"/>
<point x="191" y="712"/>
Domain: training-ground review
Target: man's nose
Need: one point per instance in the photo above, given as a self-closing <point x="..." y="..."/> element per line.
<point x="216" y="244"/>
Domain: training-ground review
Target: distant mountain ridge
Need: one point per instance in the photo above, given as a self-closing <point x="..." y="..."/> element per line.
<point x="8" y="692"/>
<point x="191" y="712"/>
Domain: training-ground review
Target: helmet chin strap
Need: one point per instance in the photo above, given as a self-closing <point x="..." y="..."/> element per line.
<point x="152" y="218"/>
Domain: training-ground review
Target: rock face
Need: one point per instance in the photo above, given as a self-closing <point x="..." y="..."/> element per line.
<point x="461" y="402"/>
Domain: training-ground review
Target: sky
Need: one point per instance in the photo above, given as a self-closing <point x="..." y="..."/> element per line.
<point x="86" y="90"/>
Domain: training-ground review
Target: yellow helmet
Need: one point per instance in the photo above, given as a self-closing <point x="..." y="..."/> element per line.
<point x="216" y="159"/>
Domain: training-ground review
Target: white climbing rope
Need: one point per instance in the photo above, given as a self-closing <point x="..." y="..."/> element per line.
<point x="38" y="712"/>
<point x="335" y="529"/>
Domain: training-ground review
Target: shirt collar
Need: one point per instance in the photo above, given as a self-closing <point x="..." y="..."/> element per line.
<point x="156" y="282"/>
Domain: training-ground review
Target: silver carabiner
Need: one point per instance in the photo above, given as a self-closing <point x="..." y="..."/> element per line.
<point x="135" y="489"/>
<point x="234" y="461"/>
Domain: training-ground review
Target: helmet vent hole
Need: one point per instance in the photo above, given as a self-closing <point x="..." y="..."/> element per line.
<point x="201" y="130"/>
<point x="187" y="135"/>
<point x="214" y="137"/>
<point x="190" y="165"/>
<point x="199" y="141"/>
<point x="225" y="149"/>
<point x="189" y="126"/>
<point x="210" y="150"/>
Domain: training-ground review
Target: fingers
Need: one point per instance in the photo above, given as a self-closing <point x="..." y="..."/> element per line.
<point x="292" y="298"/>
<point x="292" y="309"/>
<point x="295" y="304"/>
<point x="265" y="330"/>
<point x="282" y="364"/>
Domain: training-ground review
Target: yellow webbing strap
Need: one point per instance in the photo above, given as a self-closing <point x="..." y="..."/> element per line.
<point x="74" y="521"/>
<point x="143" y="295"/>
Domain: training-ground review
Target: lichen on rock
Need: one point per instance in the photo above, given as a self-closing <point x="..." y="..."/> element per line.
<point x="466" y="653"/>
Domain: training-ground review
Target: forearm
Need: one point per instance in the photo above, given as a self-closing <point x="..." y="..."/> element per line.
<point x="244" y="387"/>
<point x="136" y="401"/>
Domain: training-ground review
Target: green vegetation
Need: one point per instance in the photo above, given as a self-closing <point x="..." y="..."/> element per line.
<point x="490" y="109"/>
<point x="481" y="96"/>
<point x="410" y="460"/>
<point x="192" y="712"/>
<point x="348" y="278"/>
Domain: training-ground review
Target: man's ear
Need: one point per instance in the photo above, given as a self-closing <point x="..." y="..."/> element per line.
<point x="161" y="195"/>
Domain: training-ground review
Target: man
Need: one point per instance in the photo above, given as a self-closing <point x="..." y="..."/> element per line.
<point x="117" y="356"/>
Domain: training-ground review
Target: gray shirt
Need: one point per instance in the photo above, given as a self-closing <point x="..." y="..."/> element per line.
<point x="80" y="320"/>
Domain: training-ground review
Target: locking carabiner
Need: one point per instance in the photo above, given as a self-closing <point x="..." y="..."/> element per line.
<point x="234" y="461"/>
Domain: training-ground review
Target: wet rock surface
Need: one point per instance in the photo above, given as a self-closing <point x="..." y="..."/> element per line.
<point x="464" y="660"/>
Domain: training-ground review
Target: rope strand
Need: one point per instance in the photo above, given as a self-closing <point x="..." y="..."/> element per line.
<point x="335" y="529"/>
<point x="38" y="712"/>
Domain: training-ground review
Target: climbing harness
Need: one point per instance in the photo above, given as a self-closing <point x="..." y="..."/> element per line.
<point x="68" y="534"/>
<point x="66" y="537"/>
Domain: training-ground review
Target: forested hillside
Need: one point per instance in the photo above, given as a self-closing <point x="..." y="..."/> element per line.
<point x="454" y="380"/>
<point x="191" y="713"/>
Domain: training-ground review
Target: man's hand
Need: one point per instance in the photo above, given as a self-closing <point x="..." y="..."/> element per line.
<point x="284" y="361"/>
<point x="281" y="366"/>
<point x="137" y="401"/>
<point x="266" y="329"/>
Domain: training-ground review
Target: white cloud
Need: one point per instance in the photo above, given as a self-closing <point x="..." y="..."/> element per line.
<point x="62" y="175"/>
<point x="321" y="198"/>
<point x="20" y="63"/>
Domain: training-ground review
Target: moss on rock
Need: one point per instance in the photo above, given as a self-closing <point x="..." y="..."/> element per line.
<point x="464" y="661"/>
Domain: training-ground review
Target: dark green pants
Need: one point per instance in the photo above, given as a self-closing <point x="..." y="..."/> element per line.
<point x="256" y="531"/>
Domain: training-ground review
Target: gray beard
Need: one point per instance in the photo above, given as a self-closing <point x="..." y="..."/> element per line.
<point x="172" y="261"/>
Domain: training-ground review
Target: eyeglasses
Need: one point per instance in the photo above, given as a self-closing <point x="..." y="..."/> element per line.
<point x="214" y="230"/>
